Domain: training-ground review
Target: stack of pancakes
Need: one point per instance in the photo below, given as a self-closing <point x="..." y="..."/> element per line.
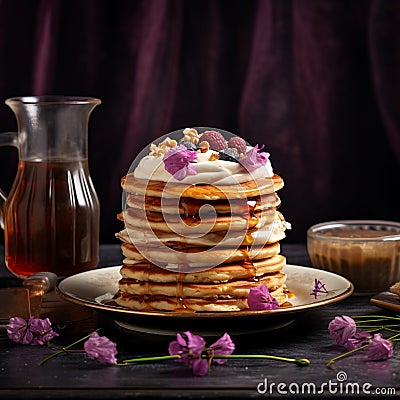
<point x="200" y="248"/>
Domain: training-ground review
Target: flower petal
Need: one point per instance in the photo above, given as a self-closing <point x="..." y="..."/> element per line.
<point x="18" y="331"/>
<point x="225" y="346"/>
<point x="260" y="298"/>
<point x="177" y="162"/>
<point x="359" y="339"/>
<point x="200" y="367"/>
<point x="379" y="348"/>
<point x="101" y="348"/>
<point x="253" y="159"/>
<point x="342" y="328"/>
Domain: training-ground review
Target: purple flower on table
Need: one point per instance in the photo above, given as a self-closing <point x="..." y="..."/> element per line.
<point x="260" y="298"/>
<point x="342" y="328"/>
<point x="379" y="348"/>
<point x="223" y="346"/>
<point x="18" y="331"/>
<point x="254" y="158"/>
<point x="177" y="161"/>
<point x="359" y="339"/>
<point x="101" y="348"/>
<point x="35" y="331"/>
<point x="42" y="330"/>
<point x="190" y="348"/>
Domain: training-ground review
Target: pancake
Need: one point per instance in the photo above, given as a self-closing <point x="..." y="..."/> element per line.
<point x="219" y="274"/>
<point x="189" y="206"/>
<point x="231" y="289"/>
<point x="197" y="258"/>
<point x="271" y="233"/>
<point x="175" y="304"/>
<point x="203" y="192"/>
<point x="153" y="221"/>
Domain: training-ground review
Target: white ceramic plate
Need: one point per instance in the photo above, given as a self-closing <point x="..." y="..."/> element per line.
<point x="96" y="289"/>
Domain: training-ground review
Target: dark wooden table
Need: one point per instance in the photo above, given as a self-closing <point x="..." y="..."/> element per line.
<point x="74" y="375"/>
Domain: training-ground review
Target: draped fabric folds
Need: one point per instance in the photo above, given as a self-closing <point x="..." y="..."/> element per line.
<point x="316" y="81"/>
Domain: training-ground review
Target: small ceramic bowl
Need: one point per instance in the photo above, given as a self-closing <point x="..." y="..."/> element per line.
<point x="365" y="252"/>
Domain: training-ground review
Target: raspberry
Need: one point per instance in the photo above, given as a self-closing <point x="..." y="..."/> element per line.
<point x="229" y="155"/>
<point x="238" y="143"/>
<point x="214" y="139"/>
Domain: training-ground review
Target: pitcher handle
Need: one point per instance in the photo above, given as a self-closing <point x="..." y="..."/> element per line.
<point x="6" y="139"/>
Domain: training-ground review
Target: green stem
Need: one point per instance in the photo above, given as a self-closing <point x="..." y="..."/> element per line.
<point x="298" y="361"/>
<point x="374" y="318"/>
<point x="145" y="359"/>
<point x="392" y="330"/>
<point x="394" y="336"/>
<point x="330" y="363"/>
<point x="64" y="349"/>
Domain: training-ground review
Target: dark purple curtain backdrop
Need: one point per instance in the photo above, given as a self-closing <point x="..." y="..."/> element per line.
<point x="316" y="81"/>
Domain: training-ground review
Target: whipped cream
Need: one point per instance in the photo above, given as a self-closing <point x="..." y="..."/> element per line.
<point x="218" y="172"/>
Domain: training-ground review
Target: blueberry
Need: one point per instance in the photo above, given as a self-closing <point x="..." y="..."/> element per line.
<point x="189" y="145"/>
<point x="229" y="154"/>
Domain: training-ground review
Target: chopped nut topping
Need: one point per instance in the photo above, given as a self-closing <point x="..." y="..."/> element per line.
<point x="191" y="135"/>
<point x="162" y="148"/>
<point x="213" y="157"/>
<point x="204" y="146"/>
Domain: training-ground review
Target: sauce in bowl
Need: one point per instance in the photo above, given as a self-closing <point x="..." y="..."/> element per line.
<point x="365" y="252"/>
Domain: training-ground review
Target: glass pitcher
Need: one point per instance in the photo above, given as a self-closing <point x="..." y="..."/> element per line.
<point x="51" y="216"/>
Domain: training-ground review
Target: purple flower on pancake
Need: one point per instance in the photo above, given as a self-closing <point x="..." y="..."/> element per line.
<point x="342" y="328"/>
<point x="379" y="348"/>
<point x="190" y="348"/>
<point x="359" y="339"/>
<point x="101" y="348"/>
<point x="177" y="161"/>
<point x="35" y="331"/>
<point x="224" y="345"/>
<point x="260" y="298"/>
<point x="254" y="159"/>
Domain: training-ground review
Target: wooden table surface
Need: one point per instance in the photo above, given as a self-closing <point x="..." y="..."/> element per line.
<point x="74" y="375"/>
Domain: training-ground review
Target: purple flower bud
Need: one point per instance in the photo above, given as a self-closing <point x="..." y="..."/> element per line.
<point x="177" y="161"/>
<point x="359" y="339"/>
<point x="260" y="298"/>
<point x="379" y="348"/>
<point x="187" y="347"/>
<point x="18" y="331"/>
<point x="190" y="348"/>
<point x="342" y="328"/>
<point x="101" y="348"/>
<point x="225" y="346"/>
<point x="42" y="330"/>
<point x="35" y="331"/>
<point x="254" y="159"/>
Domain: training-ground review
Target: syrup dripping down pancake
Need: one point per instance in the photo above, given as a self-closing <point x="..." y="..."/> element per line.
<point x="243" y="190"/>
<point x="267" y="234"/>
<point x="166" y="303"/>
<point x="196" y="258"/>
<point x="231" y="289"/>
<point x="189" y="207"/>
<point x="240" y="270"/>
<point x="210" y="222"/>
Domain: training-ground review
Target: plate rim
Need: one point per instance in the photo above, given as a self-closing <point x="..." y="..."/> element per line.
<point x="208" y="315"/>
